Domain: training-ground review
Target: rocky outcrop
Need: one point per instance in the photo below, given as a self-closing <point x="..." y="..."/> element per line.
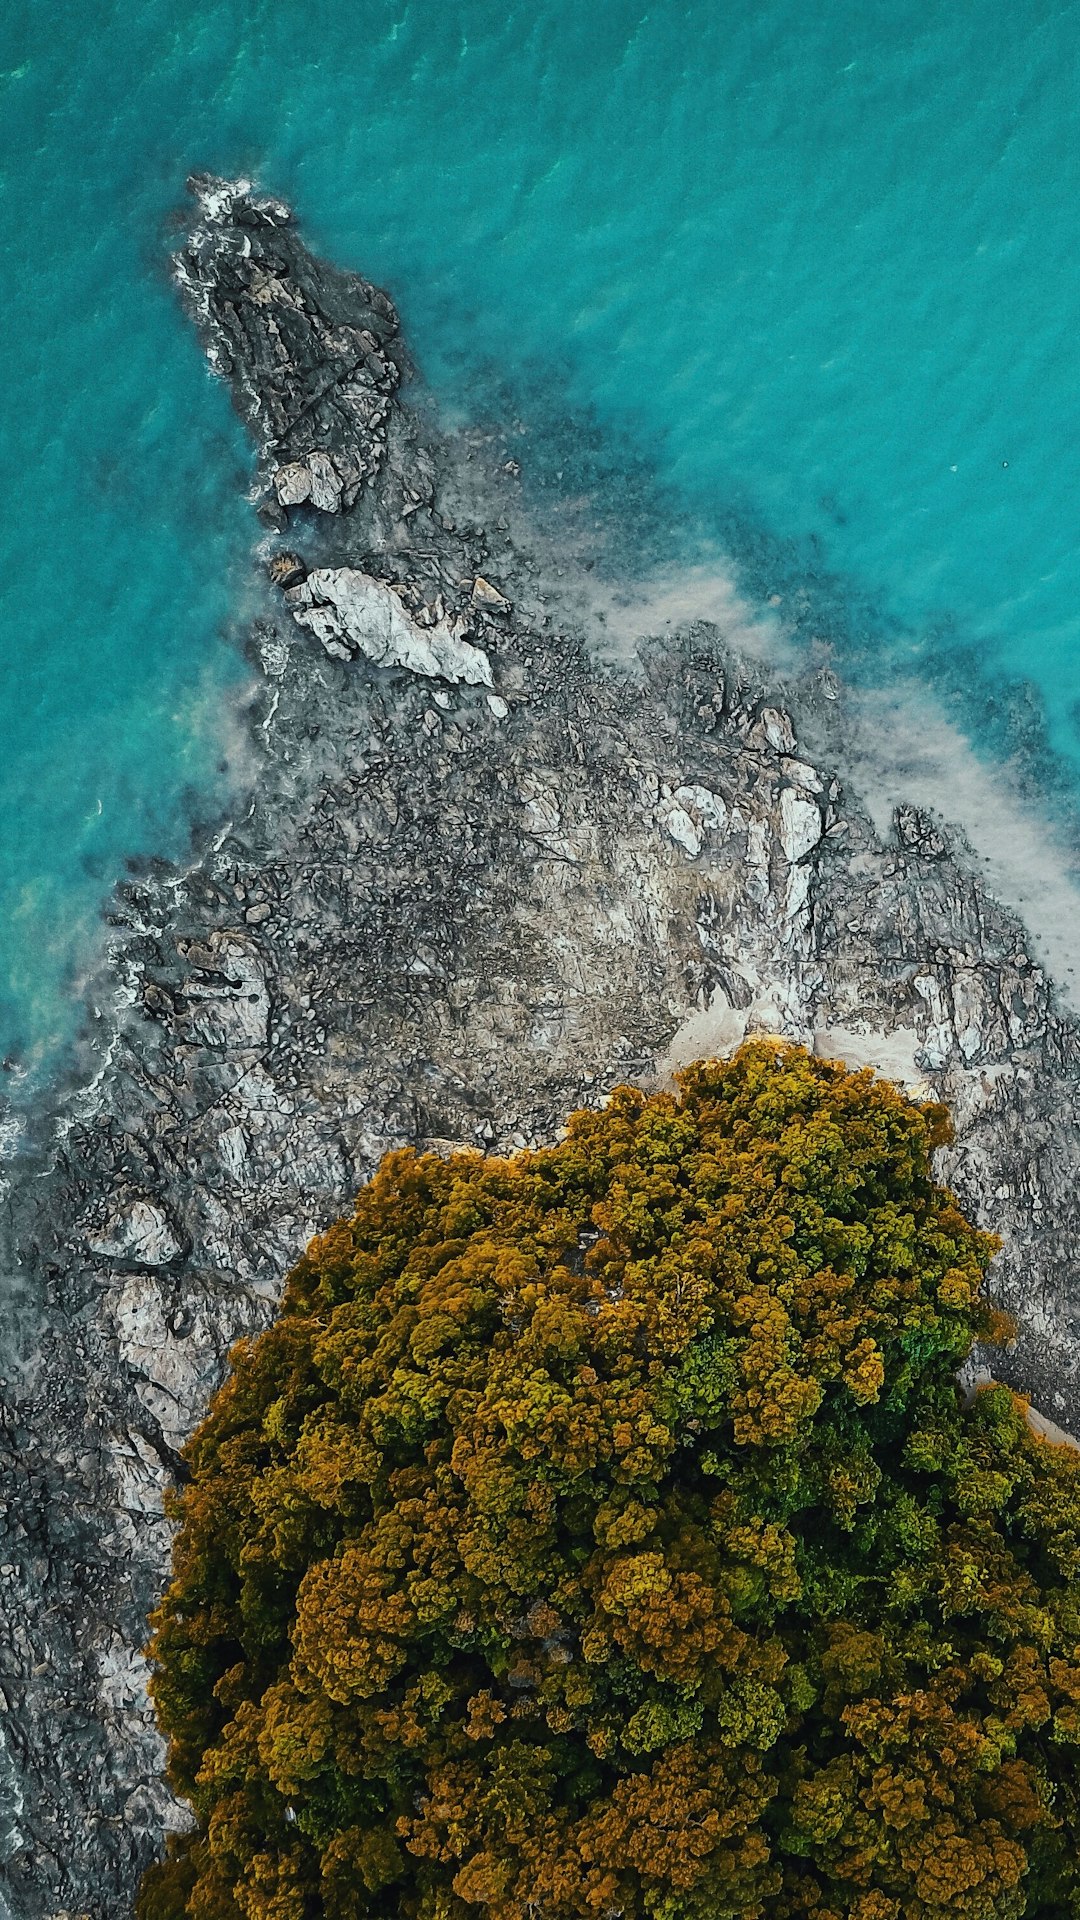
<point x="312" y="355"/>
<point x="455" y="904"/>
<point x="351" y="614"/>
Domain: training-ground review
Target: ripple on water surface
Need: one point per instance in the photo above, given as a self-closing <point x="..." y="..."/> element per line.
<point x="815" y="267"/>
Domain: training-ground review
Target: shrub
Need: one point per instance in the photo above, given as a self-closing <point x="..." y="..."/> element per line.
<point x="599" y="1532"/>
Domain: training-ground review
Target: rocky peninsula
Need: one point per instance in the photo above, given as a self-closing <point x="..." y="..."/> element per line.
<point x="482" y="876"/>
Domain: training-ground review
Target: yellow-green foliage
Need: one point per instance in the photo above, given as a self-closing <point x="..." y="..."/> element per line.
<point x="599" y="1533"/>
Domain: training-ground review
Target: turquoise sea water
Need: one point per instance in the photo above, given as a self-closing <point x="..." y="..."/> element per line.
<point x="815" y="268"/>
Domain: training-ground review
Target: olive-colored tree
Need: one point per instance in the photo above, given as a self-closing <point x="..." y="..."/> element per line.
<point x="600" y="1533"/>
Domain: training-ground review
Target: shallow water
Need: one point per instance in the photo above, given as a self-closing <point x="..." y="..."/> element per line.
<point x="811" y="270"/>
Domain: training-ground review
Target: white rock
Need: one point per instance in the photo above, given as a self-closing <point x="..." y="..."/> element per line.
<point x="233" y="1015"/>
<point x="326" y="486"/>
<point x="758" y="839"/>
<point x="703" y="805"/>
<point x="498" y="706"/>
<point x="152" y="1805"/>
<point x="140" y="1233"/>
<point x="708" y="1033"/>
<point x="256" y="1093"/>
<point x="758" y="851"/>
<point x="139" y="1474"/>
<point x="173" y="1376"/>
<point x="796" y="893"/>
<point x="1049" y="1430"/>
<point x="894" y="1054"/>
<point x="142" y="1329"/>
<point x="229" y="1020"/>
<point x="692" y="813"/>
<point x="324" y="623"/>
<point x="349" y="608"/>
<point x="233" y="1148"/>
<point x="800" y="824"/>
<point x="542" y="807"/>
<point x="292" y="483"/>
<point x="683" y="830"/>
<point x="123" y="1674"/>
<point x="802" y="774"/>
<point x="937" y="1039"/>
<point x="977" y="1019"/>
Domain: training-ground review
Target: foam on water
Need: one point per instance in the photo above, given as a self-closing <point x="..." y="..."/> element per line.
<point x="813" y="270"/>
<point x="900" y="747"/>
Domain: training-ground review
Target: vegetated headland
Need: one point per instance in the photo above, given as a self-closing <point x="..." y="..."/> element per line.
<point x="483" y="875"/>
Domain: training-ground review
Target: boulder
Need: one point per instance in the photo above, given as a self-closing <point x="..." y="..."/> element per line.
<point x="349" y="613"/>
<point x="286" y="570"/>
<point x="292" y="483"/>
<point x="488" y="597"/>
<point x="137" y="1233"/>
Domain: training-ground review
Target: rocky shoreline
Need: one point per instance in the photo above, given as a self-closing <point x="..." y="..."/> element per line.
<point x="481" y="878"/>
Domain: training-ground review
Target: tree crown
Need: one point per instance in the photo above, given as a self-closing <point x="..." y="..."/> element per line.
<point x="600" y="1532"/>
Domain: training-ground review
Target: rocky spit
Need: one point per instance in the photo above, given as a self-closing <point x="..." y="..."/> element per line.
<point x="480" y="878"/>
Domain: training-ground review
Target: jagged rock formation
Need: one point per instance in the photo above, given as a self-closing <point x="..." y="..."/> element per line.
<point x="313" y="356"/>
<point x="455" y="907"/>
<point x="352" y="614"/>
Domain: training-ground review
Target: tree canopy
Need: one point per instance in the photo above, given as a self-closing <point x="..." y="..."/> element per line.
<point x="600" y="1533"/>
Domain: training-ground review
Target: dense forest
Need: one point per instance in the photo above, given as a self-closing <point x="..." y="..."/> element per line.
<point x="601" y="1533"/>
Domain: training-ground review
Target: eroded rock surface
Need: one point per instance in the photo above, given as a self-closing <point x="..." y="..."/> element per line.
<point x="458" y="904"/>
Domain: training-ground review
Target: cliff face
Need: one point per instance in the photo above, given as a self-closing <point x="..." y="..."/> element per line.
<point x="481" y="879"/>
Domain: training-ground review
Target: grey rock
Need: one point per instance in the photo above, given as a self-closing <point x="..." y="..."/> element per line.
<point x="916" y="831"/>
<point x="311" y="355"/>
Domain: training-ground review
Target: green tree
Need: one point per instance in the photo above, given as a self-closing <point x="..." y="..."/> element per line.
<point x="600" y="1532"/>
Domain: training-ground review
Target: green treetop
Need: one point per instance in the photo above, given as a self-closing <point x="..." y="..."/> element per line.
<point x="599" y="1534"/>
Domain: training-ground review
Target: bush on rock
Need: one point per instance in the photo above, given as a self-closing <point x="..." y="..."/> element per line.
<point x="600" y="1533"/>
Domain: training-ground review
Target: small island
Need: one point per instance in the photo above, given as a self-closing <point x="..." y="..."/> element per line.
<point x="490" y="869"/>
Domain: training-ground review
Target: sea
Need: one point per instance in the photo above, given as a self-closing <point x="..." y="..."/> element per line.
<point x="794" y="290"/>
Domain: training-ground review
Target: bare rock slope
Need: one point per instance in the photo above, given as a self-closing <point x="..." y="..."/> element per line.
<point x="480" y="879"/>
